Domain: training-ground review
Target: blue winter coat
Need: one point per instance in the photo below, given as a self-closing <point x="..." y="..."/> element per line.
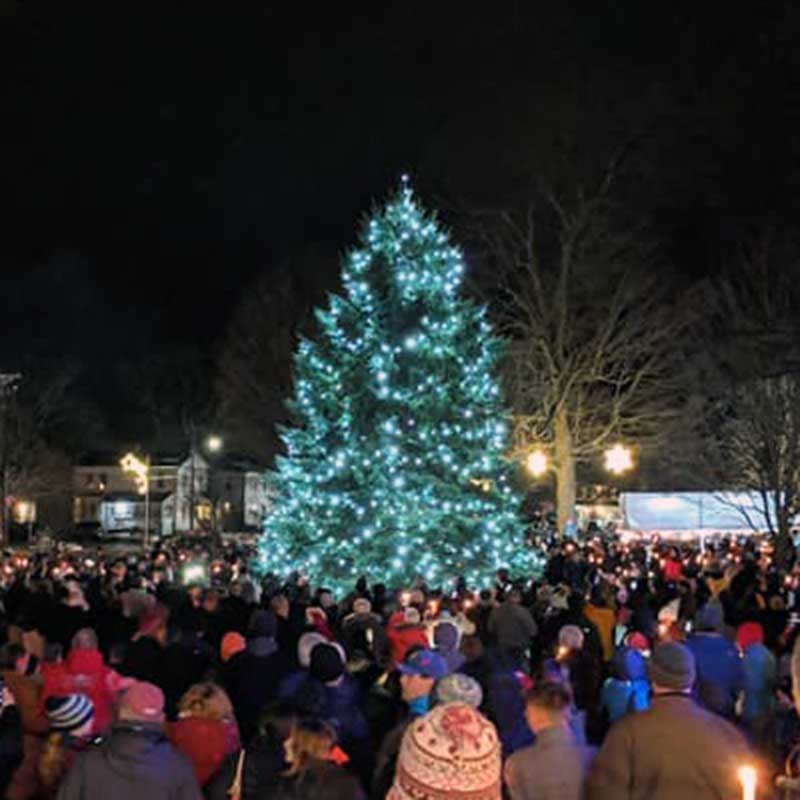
<point x="759" y="675"/>
<point x="628" y="690"/>
<point x="719" y="672"/>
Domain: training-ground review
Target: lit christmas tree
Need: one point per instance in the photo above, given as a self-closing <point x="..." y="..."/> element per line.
<point x="395" y="468"/>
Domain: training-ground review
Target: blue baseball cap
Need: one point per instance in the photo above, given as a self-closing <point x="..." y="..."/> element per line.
<point x="425" y="663"/>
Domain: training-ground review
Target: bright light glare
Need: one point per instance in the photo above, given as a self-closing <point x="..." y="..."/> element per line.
<point x="747" y="777"/>
<point x="537" y="463"/>
<point x="214" y="444"/>
<point x="619" y="459"/>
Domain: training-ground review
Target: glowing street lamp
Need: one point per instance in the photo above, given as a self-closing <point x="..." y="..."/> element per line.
<point x="537" y="463"/>
<point x="619" y="459"/>
<point x="214" y="444"/>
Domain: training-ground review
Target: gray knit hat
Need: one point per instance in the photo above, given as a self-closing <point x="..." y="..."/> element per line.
<point x="458" y="688"/>
<point x="672" y="667"/>
<point x="68" y="712"/>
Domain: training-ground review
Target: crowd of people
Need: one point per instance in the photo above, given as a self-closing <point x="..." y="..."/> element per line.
<point x="623" y="671"/>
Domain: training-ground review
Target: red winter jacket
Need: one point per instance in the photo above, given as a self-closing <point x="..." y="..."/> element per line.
<point x="403" y="636"/>
<point x="205" y="742"/>
<point x="673" y="570"/>
<point x="84" y="672"/>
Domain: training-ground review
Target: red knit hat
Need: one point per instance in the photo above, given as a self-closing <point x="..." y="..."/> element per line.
<point x="749" y="633"/>
<point x="231" y="644"/>
<point x="637" y="641"/>
<point x="143" y="702"/>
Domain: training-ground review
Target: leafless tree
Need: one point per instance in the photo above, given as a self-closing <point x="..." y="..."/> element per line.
<point x="254" y="365"/>
<point x="760" y="445"/>
<point x="751" y="428"/>
<point x="593" y="326"/>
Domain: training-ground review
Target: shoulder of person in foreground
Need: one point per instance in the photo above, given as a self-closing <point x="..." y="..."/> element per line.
<point x="610" y="770"/>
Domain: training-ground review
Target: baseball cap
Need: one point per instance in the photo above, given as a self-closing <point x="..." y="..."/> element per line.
<point x="425" y="663"/>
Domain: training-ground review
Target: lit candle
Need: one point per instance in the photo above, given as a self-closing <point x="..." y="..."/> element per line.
<point x="747" y="777"/>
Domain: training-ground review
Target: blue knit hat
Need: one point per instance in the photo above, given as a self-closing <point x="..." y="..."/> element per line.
<point x="68" y="712"/>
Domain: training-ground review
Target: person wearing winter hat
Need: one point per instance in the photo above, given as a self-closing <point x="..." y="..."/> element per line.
<point x="638" y="641"/>
<point x="554" y="767"/>
<point x="405" y="631"/>
<point x="719" y="667"/>
<point x="71" y="719"/>
<point x="205" y="731"/>
<point x="327" y="664"/>
<point x="85" y="671"/>
<point x="144" y="658"/>
<point x="418" y="675"/>
<point x="451" y="752"/>
<point x="291" y="682"/>
<point x="254" y="679"/>
<point x="759" y="677"/>
<point x="675" y="748"/>
<point x="445" y="640"/>
<point x="136" y="760"/>
<point x="627" y="689"/>
<point x="231" y="644"/>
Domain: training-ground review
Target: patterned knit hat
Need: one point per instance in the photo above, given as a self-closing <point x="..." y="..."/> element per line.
<point x="68" y="712"/>
<point x="452" y="753"/>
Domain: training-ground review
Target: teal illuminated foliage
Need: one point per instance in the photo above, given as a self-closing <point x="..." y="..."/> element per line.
<point x="395" y="465"/>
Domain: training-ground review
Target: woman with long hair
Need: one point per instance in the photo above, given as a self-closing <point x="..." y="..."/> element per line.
<point x="312" y="773"/>
<point x="206" y="730"/>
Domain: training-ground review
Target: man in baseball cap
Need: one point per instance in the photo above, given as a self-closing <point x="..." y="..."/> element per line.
<point x="419" y="672"/>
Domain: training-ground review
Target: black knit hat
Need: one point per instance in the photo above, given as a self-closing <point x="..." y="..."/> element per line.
<point x="326" y="663"/>
<point x="672" y="667"/>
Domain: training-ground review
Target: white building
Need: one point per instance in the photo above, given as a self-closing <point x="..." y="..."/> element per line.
<point x="227" y="495"/>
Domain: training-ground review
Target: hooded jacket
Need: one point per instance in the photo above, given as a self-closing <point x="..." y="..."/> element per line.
<point x="136" y="761"/>
<point x="719" y="671"/>
<point x="445" y="639"/>
<point x="628" y="689"/>
<point x="403" y="636"/>
<point x="253" y="678"/>
<point x="85" y="672"/>
<point x="205" y="742"/>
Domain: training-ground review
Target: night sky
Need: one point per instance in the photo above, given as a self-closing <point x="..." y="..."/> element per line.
<point x="158" y="158"/>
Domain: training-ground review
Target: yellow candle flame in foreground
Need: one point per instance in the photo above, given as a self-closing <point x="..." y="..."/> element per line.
<point x="747" y="777"/>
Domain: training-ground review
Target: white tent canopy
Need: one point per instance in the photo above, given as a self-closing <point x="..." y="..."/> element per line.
<point x="699" y="513"/>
